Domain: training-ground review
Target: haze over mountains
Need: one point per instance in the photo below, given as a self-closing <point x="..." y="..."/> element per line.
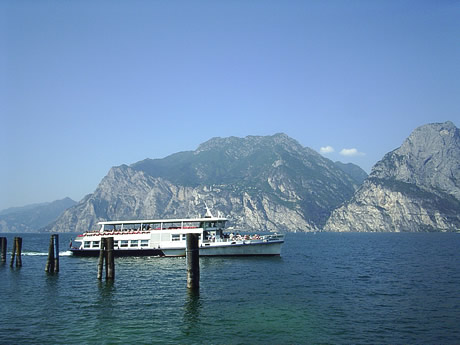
<point x="272" y="183"/>
<point x="31" y="218"/>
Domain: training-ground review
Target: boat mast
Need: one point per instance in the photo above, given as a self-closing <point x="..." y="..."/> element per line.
<point x="208" y="211"/>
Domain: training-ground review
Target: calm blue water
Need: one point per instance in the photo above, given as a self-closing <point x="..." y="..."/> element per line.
<point x="325" y="288"/>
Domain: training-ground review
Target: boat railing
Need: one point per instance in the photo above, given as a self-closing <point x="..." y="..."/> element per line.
<point x="274" y="237"/>
<point x="246" y="238"/>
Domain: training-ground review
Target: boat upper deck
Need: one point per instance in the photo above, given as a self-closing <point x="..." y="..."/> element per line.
<point x="153" y="221"/>
<point x="163" y="224"/>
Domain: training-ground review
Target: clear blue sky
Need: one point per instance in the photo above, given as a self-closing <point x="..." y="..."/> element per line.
<point x="87" y="85"/>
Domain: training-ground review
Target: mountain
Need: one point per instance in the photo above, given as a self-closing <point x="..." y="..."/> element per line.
<point x="356" y="173"/>
<point x="31" y="218"/>
<point x="413" y="188"/>
<point x="259" y="182"/>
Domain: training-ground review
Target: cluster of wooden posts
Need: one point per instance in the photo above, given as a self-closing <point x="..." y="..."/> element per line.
<point x="52" y="264"/>
<point x="106" y="254"/>
<point x="15" y="254"/>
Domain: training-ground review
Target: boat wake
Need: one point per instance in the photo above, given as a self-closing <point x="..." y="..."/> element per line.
<point x="33" y="254"/>
<point x="65" y="253"/>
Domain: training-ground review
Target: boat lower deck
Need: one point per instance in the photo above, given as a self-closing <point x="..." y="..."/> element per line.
<point x="118" y="252"/>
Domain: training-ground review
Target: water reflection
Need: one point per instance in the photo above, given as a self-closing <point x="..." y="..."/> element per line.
<point x="51" y="282"/>
<point x="106" y="289"/>
<point x="192" y="309"/>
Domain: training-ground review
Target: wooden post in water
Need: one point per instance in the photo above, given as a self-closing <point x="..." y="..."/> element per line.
<point x="56" y="253"/>
<point x="192" y="253"/>
<point x="4" y="248"/>
<point x="13" y="253"/>
<point x="18" y="251"/>
<point x="110" y="261"/>
<point x="49" y="268"/>
<point x="100" y="264"/>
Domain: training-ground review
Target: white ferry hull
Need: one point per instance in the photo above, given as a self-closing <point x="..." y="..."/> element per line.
<point x="237" y="249"/>
<point x="270" y="248"/>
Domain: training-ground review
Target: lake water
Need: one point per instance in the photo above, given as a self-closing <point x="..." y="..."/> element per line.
<point x="325" y="288"/>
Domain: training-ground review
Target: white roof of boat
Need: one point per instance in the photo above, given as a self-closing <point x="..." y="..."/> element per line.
<point x="149" y="221"/>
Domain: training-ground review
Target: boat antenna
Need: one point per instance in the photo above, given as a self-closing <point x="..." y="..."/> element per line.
<point x="208" y="211"/>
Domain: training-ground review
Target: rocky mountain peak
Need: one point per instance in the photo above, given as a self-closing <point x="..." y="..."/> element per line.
<point x="242" y="147"/>
<point x="428" y="158"/>
<point x="430" y="137"/>
<point x="413" y="188"/>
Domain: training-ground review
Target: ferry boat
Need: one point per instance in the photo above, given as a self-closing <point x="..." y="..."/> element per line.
<point x="166" y="237"/>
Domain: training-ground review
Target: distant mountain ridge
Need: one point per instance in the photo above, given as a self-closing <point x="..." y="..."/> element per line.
<point x="358" y="174"/>
<point x="31" y="218"/>
<point x="260" y="182"/>
<point x="413" y="188"/>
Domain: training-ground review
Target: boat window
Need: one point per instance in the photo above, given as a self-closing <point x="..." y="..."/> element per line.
<point x="191" y="225"/>
<point x="156" y="237"/>
<point x="172" y="225"/>
<point x="96" y="244"/>
<point x="124" y="243"/>
<point x="184" y="237"/>
<point x="112" y="227"/>
<point x="144" y="243"/>
<point x="175" y="237"/>
<point x="87" y="244"/>
<point x="134" y="243"/>
<point x="165" y="237"/>
<point x="115" y="243"/>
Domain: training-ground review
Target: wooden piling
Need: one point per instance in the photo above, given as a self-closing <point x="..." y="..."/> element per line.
<point x="18" y="251"/>
<point x="13" y="253"/>
<point x="192" y="253"/>
<point x="110" y="262"/>
<point x="49" y="268"/>
<point x="56" y="253"/>
<point x="3" y="242"/>
<point x="100" y="263"/>
<point x="106" y="254"/>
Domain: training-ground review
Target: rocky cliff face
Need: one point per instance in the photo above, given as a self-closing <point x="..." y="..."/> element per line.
<point x="413" y="188"/>
<point x="259" y="183"/>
